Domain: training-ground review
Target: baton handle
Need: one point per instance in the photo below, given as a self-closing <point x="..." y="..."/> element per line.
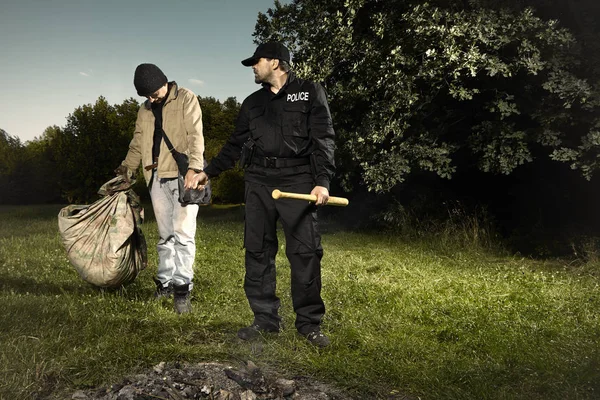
<point x="333" y="201"/>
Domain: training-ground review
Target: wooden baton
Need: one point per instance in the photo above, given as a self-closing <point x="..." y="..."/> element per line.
<point x="333" y="201"/>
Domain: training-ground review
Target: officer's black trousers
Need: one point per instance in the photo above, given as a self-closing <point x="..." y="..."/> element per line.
<point x="303" y="250"/>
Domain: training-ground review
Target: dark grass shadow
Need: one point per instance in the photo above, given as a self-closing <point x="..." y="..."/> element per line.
<point x="217" y="212"/>
<point x="23" y="221"/>
<point x="37" y="212"/>
<point x="23" y="285"/>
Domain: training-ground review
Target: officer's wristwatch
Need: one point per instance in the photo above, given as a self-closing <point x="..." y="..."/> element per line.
<point x="196" y="170"/>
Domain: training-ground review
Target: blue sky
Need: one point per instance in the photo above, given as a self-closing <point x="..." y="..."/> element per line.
<point x="56" y="55"/>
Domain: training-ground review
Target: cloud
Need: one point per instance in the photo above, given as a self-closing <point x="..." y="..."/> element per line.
<point x="196" y="82"/>
<point x="83" y="74"/>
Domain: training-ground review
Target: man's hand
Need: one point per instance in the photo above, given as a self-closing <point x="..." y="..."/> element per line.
<point x="202" y="178"/>
<point x="122" y="171"/>
<point x="322" y="195"/>
<point x="195" y="180"/>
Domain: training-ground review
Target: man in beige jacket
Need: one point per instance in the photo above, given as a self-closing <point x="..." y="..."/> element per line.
<point x="175" y="111"/>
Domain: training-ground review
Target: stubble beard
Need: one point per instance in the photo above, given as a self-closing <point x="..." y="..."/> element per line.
<point x="260" y="79"/>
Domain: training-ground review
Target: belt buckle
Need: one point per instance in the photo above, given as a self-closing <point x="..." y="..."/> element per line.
<point x="271" y="162"/>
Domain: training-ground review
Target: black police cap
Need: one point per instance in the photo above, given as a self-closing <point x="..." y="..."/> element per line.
<point x="273" y="50"/>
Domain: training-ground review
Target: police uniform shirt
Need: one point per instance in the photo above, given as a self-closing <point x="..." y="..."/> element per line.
<point x="293" y="123"/>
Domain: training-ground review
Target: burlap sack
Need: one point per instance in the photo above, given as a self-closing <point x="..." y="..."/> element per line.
<point x="103" y="240"/>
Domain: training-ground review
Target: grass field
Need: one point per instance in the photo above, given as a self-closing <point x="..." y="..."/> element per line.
<point x="431" y="318"/>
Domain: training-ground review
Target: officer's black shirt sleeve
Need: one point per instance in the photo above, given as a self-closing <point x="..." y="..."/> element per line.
<point x="322" y="135"/>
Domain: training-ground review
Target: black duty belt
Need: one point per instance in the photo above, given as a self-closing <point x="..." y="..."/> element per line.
<point x="279" y="162"/>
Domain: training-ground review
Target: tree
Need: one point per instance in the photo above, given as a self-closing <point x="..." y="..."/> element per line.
<point x="10" y="153"/>
<point x="27" y="172"/>
<point x="91" y="146"/>
<point x="218" y="120"/>
<point x="431" y="86"/>
<point x="10" y="147"/>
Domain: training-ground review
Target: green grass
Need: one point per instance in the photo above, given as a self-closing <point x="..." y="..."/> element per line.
<point x="421" y="317"/>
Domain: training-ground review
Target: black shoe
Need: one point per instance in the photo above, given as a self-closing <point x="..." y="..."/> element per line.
<point x="254" y="331"/>
<point x="162" y="291"/>
<point x="181" y="299"/>
<point x="318" y="339"/>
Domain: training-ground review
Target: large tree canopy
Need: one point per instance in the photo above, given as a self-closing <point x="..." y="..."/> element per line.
<point x="10" y="147"/>
<point x="218" y="120"/>
<point x="431" y="86"/>
<point x="91" y="146"/>
<point x="27" y="174"/>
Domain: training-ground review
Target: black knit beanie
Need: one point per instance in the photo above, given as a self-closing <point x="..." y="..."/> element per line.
<point x="148" y="78"/>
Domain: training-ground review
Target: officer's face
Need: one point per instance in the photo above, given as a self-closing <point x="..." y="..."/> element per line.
<point x="262" y="70"/>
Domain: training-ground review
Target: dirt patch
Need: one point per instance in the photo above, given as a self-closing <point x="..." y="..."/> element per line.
<point x="213" y="381"/>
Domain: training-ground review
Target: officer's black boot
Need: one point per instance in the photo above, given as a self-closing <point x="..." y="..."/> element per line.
<point x="317" y="338"/>
<point x="162" y="291"/>
<point x="181" y="299"/>
<point x="255" y="330"/>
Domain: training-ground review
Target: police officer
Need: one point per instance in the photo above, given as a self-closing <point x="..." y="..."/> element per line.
<point x="285" y="137"/>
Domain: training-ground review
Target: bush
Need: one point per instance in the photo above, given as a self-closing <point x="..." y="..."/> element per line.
<point x="454" y="225"/>
<point x="228" y="187"/>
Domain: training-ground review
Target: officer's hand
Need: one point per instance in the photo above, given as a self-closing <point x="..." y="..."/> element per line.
<point x="192" y="179"/>
<point x="322" y="195"/>
<point x="203" y="178"/>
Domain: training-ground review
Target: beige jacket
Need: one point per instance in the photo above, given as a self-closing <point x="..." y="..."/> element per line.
<point x="182" y="123"/>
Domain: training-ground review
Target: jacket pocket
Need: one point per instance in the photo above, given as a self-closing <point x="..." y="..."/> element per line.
<point x="254" y="121"/>
<point x="295" y="119"/>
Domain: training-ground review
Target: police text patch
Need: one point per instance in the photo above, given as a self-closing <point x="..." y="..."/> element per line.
<point x="303" y="96"/>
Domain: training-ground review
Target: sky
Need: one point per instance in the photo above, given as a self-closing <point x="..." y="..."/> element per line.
<point x="56" y="55"/>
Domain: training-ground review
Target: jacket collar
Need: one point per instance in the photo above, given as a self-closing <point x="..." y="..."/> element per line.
<point x="173" y="93"/>
<point x="291" y="78"/>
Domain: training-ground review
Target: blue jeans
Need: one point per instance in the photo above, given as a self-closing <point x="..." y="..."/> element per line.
<point x="177" y="233"/>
